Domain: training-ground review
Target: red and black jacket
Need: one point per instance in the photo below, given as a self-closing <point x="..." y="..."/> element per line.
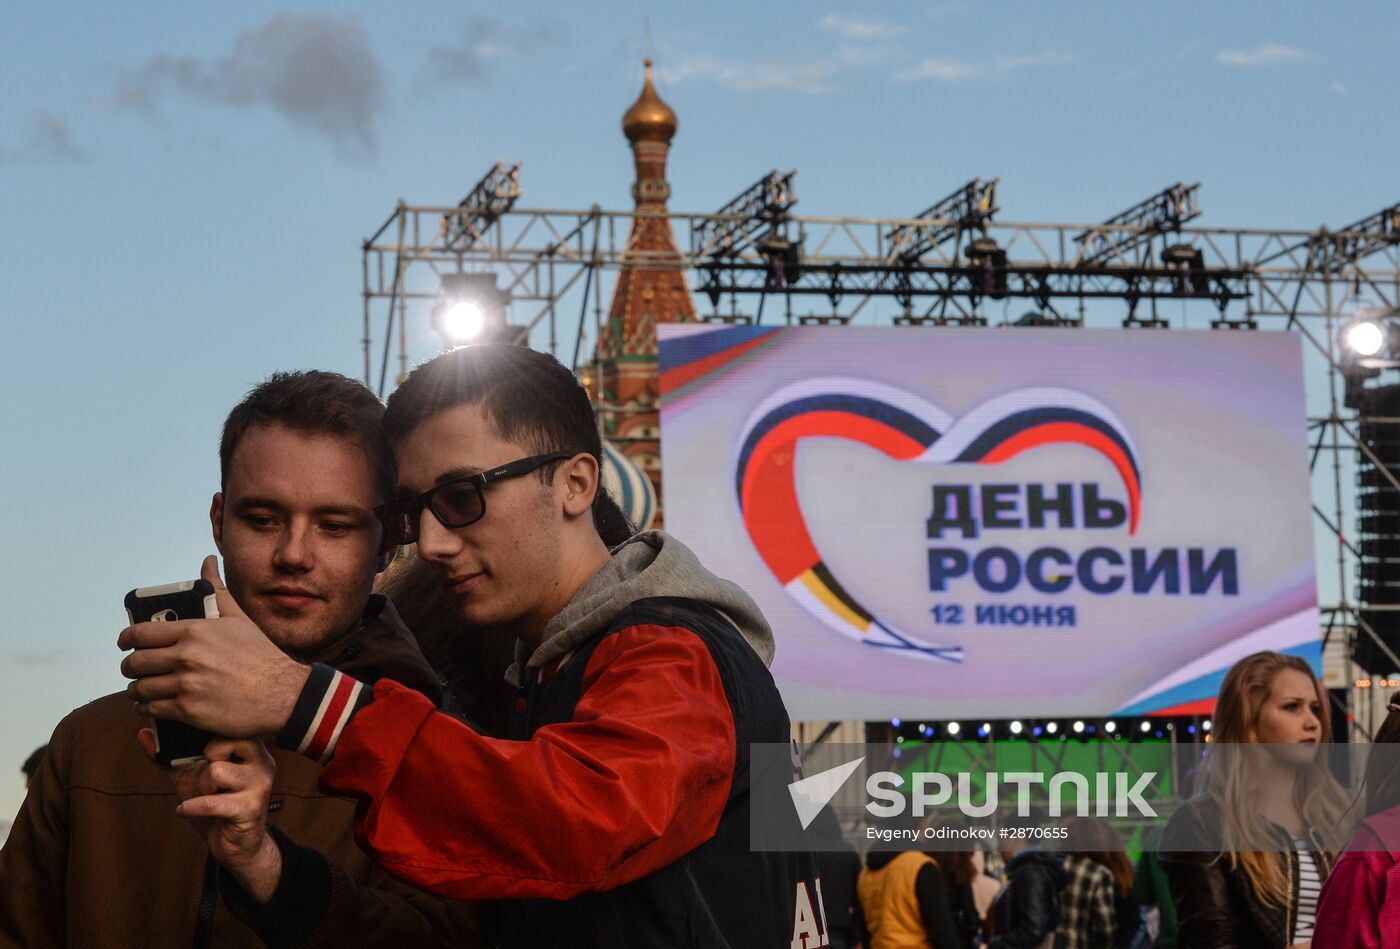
<point x="616" y="813"/>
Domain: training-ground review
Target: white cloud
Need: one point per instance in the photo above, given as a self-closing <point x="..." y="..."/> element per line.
<point x="948" y="70"/>
<point x="483" y="39"/>
<point x="812" y="76"/>
<point x="50" y="658"/>
<point x="1268" y="55"/>
<point x="857" y="28"/>
<point x="864" y="55"/>
<point x="955" y="70"/>
<point x="949" y="9"/>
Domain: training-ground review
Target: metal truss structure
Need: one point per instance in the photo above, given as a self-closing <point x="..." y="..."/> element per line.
<point x="923" y="271"/>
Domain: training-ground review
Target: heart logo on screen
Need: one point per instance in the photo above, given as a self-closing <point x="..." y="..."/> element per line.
<point x="906" y="428"/>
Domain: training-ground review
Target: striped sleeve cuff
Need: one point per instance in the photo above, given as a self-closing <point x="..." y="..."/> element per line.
<point x="327" y="702"/>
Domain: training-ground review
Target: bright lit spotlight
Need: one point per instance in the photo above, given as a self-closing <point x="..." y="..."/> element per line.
<point x="1109" y="727"/>
<point x="1364" y="337"/>
<point x="1206" y="724"/>
<point x="1146" y="727"/>
<point x="1015" y="728"/>
<point x="463" y="321"/>
<point x="1052" y="728"/>
<point x="954" y="728"/>
<point x="1078" y="727"/>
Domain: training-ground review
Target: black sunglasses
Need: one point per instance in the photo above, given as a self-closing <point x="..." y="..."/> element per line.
<point x="455" y="503"/>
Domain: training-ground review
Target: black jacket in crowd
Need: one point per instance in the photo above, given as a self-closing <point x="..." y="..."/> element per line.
<point x="1216" y="906"/>
<point x="1028" y="907"/>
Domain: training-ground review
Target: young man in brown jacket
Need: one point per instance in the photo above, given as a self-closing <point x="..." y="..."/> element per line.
<point x="98" y="855"/>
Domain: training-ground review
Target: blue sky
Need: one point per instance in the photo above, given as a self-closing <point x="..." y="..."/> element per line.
<point x="185" y="186"/>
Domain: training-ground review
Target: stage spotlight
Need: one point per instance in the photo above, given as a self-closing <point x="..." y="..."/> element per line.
<point x="1146" y="727"/>
<point x="1052" y="727"/>
<point x="1078" y="727"/>
<point x="1364" y="337"/>
<point x="1206" y="724"/>
<point x="954" y="728"/>
<point x="1035" y="732"/>
<point x="472" y="309"/>
<point x="1110" y="727"/>
<point x="463" y="321"/>
<point x="895" y="723"/>
<point x="1015" y="728"/>
<point x="990" y="261"/>
<point x="1189" y="264"/>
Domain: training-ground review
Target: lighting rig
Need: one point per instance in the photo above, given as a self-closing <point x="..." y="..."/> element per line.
<point x="495" y="194"/>
<point x="1160" y="728"/>
<point x="966" y="210"/>
<point x="755" y="222"/>
<point x="912" y="262"/>
<point x="1126" y="238"/>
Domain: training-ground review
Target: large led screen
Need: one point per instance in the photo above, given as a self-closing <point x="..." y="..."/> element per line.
<point x="997" y="522"/>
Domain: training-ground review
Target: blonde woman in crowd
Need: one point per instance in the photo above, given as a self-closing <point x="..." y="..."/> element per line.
<point x="1272" y="814"/>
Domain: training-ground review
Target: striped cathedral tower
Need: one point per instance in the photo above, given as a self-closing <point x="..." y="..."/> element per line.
<point x="651" y="289"/>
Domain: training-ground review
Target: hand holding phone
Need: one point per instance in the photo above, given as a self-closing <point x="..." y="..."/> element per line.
<point x="176" y="742"/>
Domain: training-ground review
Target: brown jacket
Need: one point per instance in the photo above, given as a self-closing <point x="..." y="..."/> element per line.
<point x="98" y="857"/>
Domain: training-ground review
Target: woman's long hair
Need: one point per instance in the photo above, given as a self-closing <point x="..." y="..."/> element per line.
<point x="1230" y="784"/>
<point x="1095" y="839"/>
<point x="955" y="865"/>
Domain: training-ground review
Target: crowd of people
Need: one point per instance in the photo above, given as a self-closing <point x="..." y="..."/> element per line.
<point x="537" y="731"/>
<point x="1258" y="856"/>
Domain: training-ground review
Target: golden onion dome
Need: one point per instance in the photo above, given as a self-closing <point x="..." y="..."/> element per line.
<point x="649" y="119"/>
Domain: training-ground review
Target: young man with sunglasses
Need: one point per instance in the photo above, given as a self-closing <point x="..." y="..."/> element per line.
<point x="99" y="855"/>
<point x="617" y="812"/>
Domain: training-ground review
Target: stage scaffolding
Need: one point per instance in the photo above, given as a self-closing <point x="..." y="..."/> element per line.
<point x="924" y="272"/>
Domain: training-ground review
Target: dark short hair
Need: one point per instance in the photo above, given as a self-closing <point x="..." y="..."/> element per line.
<point x="31" y="764"/>
<point x="316" y="402"/>
<point x="529" y="398"/>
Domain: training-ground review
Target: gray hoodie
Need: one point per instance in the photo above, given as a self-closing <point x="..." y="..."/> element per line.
<point x="652" y="563"/>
